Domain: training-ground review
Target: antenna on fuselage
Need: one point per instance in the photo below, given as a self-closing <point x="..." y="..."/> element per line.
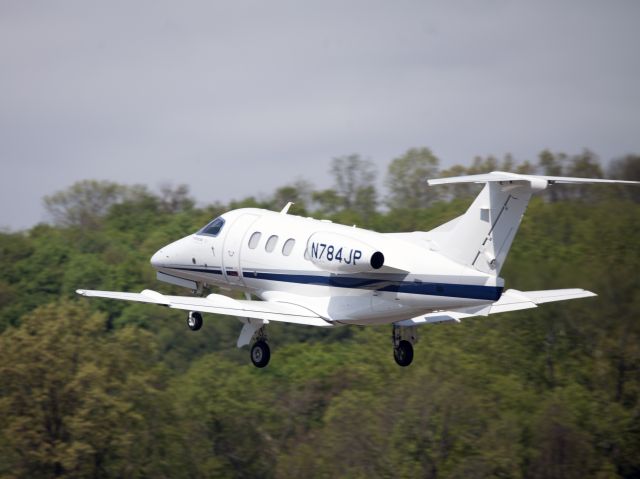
<point x="285" y="210"/>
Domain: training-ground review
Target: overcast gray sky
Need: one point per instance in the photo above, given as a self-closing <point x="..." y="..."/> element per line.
<point x="238" y="98"/>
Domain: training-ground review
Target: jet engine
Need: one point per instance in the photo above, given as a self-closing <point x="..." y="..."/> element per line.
<point x="342" y="254"/>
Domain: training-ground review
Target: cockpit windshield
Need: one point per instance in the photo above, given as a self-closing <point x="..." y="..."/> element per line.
<point x="213" y="228"/>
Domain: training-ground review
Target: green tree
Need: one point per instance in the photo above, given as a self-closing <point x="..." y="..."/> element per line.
<point x="328" y="201"/>
<point x="354" y="179"/>
<point x="407" y="179"/>
<point x="75" y="400"/>
<point x="175" y="199"/>
<point x="83" y="203"/>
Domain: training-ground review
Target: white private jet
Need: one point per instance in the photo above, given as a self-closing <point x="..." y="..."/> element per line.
<point x="317" y="273"/>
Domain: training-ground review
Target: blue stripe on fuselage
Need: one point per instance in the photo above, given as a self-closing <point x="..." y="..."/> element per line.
<point x="470" y="291"/>
<point x="411" y="287"/>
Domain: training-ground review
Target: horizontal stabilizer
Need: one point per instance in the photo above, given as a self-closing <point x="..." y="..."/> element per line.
<point x="503" y="176"/>
<point x="511" y="300"/>
<point x="220" y="304"/>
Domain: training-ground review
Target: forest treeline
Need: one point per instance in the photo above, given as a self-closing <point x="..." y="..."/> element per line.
<point x="97" y="388"/>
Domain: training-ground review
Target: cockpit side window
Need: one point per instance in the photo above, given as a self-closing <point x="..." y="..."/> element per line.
<point x="213" y="228"/>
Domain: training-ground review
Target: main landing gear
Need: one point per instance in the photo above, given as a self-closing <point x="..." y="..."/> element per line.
<point x="403" y="337"/>
<point x="260" y="351"/>
<point x="260" y="354"/>
<point x="403" y="340"/>
<point x="194" y="321"/>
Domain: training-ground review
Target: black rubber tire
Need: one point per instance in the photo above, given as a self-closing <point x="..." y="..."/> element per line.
<point x="194" y="321"/>
<point x="260" y="354"/>
<point x="403" y="354"/>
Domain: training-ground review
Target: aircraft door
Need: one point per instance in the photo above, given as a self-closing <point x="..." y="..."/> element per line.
<point x="232" y="247"/>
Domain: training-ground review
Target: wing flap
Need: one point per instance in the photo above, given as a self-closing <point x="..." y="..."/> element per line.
<point x="219" y="304"/>
<point x="511" y="300"/>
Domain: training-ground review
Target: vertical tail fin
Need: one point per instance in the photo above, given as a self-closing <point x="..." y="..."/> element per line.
<point x="481" y="237"/>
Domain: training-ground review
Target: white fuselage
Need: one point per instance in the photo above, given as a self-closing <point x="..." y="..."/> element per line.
<point x="330" y="278"/>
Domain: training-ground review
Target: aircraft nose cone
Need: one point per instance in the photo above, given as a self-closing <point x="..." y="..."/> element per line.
<point x="159" y="259"/>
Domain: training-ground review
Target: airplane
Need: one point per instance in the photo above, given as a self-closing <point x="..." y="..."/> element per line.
<point x="318" y="273"/>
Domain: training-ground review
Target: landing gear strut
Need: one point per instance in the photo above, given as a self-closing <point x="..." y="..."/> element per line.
<point x="403" y="341"/>
<point x="260" y="351"/>
<point x="194" y="321"/>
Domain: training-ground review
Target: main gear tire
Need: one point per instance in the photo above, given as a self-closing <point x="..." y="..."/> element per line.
<point x="260" y="354"/>
<point x="403" y="353"/>
<point x="194" y="321"/>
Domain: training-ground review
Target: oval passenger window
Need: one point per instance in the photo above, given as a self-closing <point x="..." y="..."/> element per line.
<point x="271" y="243"/>
<point x="288" y="246"/>
<point x="254" y="240"/>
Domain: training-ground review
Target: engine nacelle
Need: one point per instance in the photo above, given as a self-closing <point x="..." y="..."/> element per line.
<point x="342" y="254"/>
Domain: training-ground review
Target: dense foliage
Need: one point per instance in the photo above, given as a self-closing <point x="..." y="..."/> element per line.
<point x="96" y="388"/>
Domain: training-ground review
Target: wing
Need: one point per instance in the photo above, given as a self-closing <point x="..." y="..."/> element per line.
<point x="511" y="300"/>
<point x="219" y="304"/>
